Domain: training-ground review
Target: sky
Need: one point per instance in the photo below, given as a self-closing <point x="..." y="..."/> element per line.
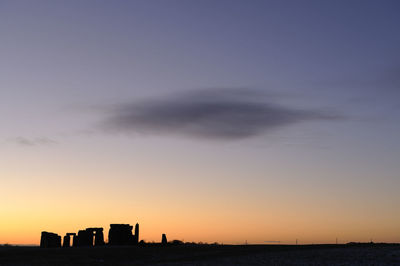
<point x="209" y="121"/>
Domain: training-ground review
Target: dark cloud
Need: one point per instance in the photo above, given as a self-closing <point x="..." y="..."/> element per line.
<point x="33" y="141"/>
<point x="214" y="114"/>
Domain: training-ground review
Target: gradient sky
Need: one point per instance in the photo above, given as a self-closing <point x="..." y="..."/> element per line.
<point x="225" y="121"/>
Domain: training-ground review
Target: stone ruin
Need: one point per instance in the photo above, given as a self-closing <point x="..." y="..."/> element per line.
<point x="50" y="240"/>
<point x="89" y="237"/>
<point x="121" y="234"/>
<point x="67" y="240"/>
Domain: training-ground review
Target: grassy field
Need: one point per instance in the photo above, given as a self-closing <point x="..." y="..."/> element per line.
<point x="367" y="254"/>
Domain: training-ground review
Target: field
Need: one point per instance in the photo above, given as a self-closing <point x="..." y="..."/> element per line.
<point x="361" y="254"/>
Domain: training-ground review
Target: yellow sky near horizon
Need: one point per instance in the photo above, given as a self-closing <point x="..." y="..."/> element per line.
<point x="222" y="216"/>
<point x="231" y="201"/>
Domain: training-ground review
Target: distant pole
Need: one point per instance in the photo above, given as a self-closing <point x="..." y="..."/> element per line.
<point x="336" y="240"/>
<point x="296" y="241"/>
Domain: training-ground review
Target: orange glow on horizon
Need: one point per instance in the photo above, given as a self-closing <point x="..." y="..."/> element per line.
<point x="202" y="208"/>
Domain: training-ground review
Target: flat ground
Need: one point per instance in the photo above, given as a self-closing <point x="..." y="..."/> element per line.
<point x="377" y="254"/>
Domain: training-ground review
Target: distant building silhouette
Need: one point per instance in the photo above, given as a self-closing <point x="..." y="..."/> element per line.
<point x="50" y="240"/>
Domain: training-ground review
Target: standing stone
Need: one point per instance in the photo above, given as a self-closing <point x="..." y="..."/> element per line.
<point x="164" y="239"/>
<point x="85" y="238"/>
<point x="98" y="237"/>
<point x="50" y="240"/>
<point x="120" y="234"/>
<point x="75" y="241"/>
<point x="66" y="241"/>
<point x="136" y="234"/>
<point x="69" y="240"/>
